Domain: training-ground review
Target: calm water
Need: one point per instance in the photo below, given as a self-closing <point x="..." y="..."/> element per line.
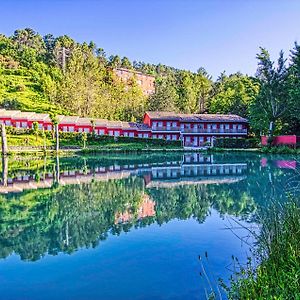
<point x="131" y="227"/>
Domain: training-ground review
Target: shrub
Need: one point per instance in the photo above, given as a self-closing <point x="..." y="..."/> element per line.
<point x="236" y="143"/>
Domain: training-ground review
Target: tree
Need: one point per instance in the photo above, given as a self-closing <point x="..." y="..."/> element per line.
<point x="272" y="102"/>
<point x="293" y="120"/>
<point x="165" y="97"/>
<point x="84" y="139"/>
<point x="234" y="94"/>
<point x="4" y="139"/>
<point x="54" y="121"/>
<point x="35" y="128"/>
<point x="125" y="63"/>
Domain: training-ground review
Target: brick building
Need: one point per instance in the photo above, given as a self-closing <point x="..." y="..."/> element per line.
<point x="146" y="82"/>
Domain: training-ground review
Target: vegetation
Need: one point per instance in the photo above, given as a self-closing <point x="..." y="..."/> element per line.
<point x="273" y="272"/>
<point x="61" y="76"/>
<point x="236" y="143"/>
<point x="89" y="142"/>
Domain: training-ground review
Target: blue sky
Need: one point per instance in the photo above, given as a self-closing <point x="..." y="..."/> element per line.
<point x="217" y="35"/>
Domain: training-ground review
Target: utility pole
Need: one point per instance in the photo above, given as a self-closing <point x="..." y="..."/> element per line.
<point x="64" y="54"/>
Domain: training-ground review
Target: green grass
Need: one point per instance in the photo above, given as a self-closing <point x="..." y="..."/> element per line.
<point x="25" y="138"/>
<point x="274" y="272"/>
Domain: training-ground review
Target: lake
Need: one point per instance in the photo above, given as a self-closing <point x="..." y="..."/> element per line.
<point x="132" y="226"/>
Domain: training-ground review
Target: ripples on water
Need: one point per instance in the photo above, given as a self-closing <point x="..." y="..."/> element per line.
<point x="131" y="227"/>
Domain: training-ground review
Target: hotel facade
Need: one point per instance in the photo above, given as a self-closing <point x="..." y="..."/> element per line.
<point x="194" y="130"/>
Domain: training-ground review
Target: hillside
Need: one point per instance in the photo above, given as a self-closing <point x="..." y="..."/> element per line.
<point x="18" y="90"/>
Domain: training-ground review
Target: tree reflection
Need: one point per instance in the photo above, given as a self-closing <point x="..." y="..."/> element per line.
<point x="82" y="202"/>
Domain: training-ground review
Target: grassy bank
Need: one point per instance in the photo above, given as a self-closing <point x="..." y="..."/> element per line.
<point x="28" y="141"/>
<point x="274" y="272"/>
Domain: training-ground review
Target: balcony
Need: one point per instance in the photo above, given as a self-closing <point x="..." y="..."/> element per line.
<point x="218" y="131"/>
<point x="165" y="128"/>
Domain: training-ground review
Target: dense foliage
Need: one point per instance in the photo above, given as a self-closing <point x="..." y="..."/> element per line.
<point x="60" y="75"/>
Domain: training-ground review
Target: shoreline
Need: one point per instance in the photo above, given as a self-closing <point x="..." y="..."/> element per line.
<point x="66" y="151"/>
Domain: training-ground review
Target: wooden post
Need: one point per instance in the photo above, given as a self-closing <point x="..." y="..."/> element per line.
<point x="4" y="139"/>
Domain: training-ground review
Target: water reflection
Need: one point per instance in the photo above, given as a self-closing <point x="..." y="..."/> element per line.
<point x="60" y="205"/>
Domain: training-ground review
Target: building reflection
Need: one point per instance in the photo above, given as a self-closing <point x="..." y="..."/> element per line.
<point x="195" y="168"/>
<point x="145" y="209"/>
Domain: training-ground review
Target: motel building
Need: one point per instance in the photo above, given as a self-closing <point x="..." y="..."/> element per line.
<point x="193" y="130"/>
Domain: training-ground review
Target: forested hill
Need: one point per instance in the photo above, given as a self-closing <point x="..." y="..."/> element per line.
<point x="59" y="75"/>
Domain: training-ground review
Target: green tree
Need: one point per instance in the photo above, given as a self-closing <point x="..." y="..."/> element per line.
<point x="272" y="102"/>
<point x="35" y="128"/>
<point x="234" y="94"/>
<point x="165" y="97"/>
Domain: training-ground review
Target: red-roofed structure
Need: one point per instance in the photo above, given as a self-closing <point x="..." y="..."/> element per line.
<point x="194" y="130"/>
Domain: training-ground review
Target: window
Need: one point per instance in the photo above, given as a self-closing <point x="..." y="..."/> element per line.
<point x="146" y="135"/>
<point x="24" y="124"/>
<point x="201" y="139"/>
<point x="154" y="136"/>
<point x="80" y="130"/>
<point x="240" y="126"/>
<point x="125" y="133"/>
<point x="214" y="126"/>
<point x="40" y="126"/>
<point x="160" y="136"/>
<point x="226" y="126"/>
<point x="101" y="131"/>
<point x="168" y="137"/>
<point x="117" y="133"/>
<point x="49" y="127"/>
<point x="110" y="132"/>
<point x="131" y="134"/>
<point x="174" y="124"/>
<point x="160" y="124"/>
<point x="209" y="139"/>
<point x="71" y="128"/>
<point x="65" y="128"/>
<point x="168" y="124"/>
<point x="18" y="124"/>
<point x="188" y="139"/>
<point x="174" y="137"/>
<point x="140" y="135"/>
<point x="154" y="124"/>
<point x="87" y="130"/>
<point x="8" y="122"/>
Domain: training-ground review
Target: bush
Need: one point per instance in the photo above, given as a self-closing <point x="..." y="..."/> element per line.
<point x="242" y="143"/>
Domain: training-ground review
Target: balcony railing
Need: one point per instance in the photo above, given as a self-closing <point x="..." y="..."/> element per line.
<point x="199" y="130"/>
<point x="166" y="128"/>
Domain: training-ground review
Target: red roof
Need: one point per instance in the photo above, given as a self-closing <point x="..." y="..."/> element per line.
<point x="164" y="115"/>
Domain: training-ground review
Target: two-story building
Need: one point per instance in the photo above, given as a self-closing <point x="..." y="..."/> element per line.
<point x="194" y="130"/>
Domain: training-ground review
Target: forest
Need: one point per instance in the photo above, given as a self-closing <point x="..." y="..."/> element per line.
<point x="59" y="75"/>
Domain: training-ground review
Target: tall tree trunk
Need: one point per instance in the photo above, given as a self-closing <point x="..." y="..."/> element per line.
<point x="57" y="170"/>
<point x="57" y="138"/>
<point x="271" y="131"/>
<point x="4" y="169"/>
<point x="4" y="139"/>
